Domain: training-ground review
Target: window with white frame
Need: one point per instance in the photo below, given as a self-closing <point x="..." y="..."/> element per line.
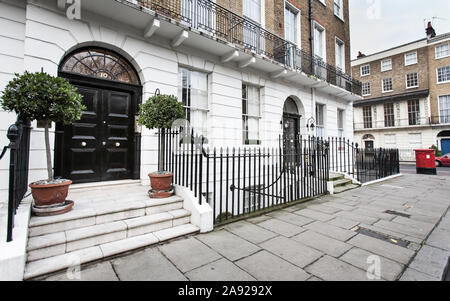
<point x="414" y="112"/>
<point x="444" y="109"/>
<point x="367" y="117"/>
<point x="411" y="58"/>
<point x="251" y="114"/>
<point x="386" y="65"/>
<point x="366" y="89"/>
<point x="442" y="51"/>
<point x="193" y="92"/>
<point x="252" y="10"/>
<point x="415" y="140"/>
<point x="320" y="120"/>
<point x="390" y="141"/>
<point x="340" y="122"/>
<point x="387" y="85"/>
<point x="389" y="116"/>
<point x="290" y="24"/>
<point x="412" y="80"/>
<point x="443" y="74"/>
<point x="365" y="70"/>
<point x="319" y="41"/>
<point x="340" y="54"/>
<point x="338" y="9"/>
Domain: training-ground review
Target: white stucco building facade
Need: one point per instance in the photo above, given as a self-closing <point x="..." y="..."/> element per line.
<point x="37" y="35"/>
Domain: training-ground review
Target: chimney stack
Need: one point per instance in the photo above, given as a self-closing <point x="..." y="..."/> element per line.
<point x="431" y="33"/>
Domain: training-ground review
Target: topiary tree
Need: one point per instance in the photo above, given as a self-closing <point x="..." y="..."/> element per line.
<point x="159" y="112"/>
<point x="40" y="96"/>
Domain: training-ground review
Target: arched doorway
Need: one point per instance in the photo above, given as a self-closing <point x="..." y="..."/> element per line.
<point x="369" y="141"/>
<point x="444" y="138"/>
<point x="103" y="145"/>
<point x="291" y="119"/>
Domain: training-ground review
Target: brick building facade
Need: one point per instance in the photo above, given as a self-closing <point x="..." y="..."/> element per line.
<point x="405" y="104"/>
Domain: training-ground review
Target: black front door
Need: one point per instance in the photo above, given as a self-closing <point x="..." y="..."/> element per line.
<point x="290" y="137"/>
<point x="102" y="145"/>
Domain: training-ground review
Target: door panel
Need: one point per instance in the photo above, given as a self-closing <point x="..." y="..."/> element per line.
<point x="100" y="146"/>
<point x="118" y="125"/>
<point x="82" y="145"/>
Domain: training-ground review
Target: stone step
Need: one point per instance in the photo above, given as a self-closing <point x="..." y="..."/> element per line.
<point x="342" y="182"/>
<point x="335" y="176"/>
<point x="341" y="189"/>
<point x="57" y="263"/>
<point x="87" y="214"/>
<point x="44" y="246"/>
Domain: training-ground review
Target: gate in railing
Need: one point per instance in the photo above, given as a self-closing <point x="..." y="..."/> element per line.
<point x="240" y="181"/>
<point x="19" y="146"/>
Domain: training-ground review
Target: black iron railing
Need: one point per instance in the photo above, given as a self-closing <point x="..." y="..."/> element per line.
<point x="365" y="165"/>
<point x="240" y="181"/>
<point x="216" y="21"/>
<point x="19" y="146"/>
<point x="375" y="164"/>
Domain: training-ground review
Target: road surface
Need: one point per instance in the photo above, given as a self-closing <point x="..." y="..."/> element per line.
<point x="411" y="169"/>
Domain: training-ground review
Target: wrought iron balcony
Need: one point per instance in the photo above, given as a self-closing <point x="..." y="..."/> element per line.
<point x="399" y="123"/>
<point x="222" y="24"/>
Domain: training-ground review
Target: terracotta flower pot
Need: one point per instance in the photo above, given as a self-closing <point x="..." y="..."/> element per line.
<point x="160" y="181"/>
<point x="50" y="194"/>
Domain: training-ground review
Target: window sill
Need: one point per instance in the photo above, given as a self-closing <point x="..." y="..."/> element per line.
<point x="414" y="87"/>
<point x="446" y="82"/>
<point x="442" y="57"/>
<point x="387" y="91"/>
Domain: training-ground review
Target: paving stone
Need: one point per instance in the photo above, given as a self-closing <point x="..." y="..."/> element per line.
<point x="356" y="217"/>
<point x="315" y="215"/>
<point x="250" y="232"/>
<point x="291" y="218"/>
<point x="98" y="272"/>
<point x="324" y="208"/>
<point x="407" y="230"/>
<point x="322" y="243"/>
<point x="414" y="275"/>
<point x="375" y="214"/>
<point x="439" y="239"/>
<point x="292" y="251"/>
<point x="414" y="223"/>
<point x="343" y="223"/>
<point x="431" y="261"/>
<point x="258" y="219"/>
<point x="331" y="231"/>
<point x="268" y="267"/>
<point x="148" y="265"/>
<point x="388" y="250"/>
<point x="389" y="269"/>
<point x="332" y="269"/>
<point x="340" y="206"/>
<point x="188" y="254"/>
<point x="313" y="278"/>
<point x="228" y="245"/>
<point x="220" y="270"/>
<point x="281" y="227"/>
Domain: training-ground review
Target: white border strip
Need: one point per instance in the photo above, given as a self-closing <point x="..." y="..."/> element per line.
<point x="382" y="180"/>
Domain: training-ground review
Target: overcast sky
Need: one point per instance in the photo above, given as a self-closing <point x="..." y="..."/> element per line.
<point x="376" y="25"/>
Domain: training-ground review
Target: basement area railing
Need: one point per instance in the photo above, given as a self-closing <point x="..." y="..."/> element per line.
<point x="363" y="164"/>
<point x="237" y="182"/>
<point x="216" y="21"/>
<point x="19" y="147"/>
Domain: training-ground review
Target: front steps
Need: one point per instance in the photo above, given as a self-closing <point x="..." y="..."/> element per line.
<point x="128" y="219"/>
<point x="341" y="184"/>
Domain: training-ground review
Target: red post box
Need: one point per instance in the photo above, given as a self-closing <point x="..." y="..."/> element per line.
<point x="426" y="161"/>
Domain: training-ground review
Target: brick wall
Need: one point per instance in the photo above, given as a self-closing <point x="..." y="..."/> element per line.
<point x="398" y="74"/>
<point x="323" y="14"/>
<point x="435" y="88"/>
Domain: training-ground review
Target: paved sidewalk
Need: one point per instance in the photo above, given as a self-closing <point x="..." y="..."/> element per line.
<point x="331" y="238"/>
